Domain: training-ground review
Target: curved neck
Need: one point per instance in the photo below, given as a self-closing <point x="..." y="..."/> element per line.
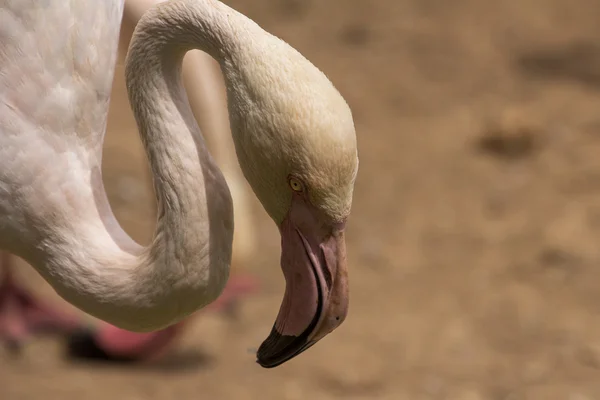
<point x="195" y="216"/>
<point x="187" y="264"/>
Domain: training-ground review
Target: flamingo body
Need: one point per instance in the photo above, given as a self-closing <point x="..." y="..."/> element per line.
<point x="293" y="135"/>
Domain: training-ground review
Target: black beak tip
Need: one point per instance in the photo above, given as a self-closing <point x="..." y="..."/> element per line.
<point x="275" y="360"/>
<point x="278" y="349"/>
<point x="264" y="363"/>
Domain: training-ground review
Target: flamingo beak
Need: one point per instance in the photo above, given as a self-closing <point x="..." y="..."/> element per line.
<point x="315" y="303"/>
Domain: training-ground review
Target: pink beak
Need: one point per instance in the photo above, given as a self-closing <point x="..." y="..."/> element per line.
<point x="313" y="261"/>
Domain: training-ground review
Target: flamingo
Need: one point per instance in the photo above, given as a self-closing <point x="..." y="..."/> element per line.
<point x="294" y="138"/>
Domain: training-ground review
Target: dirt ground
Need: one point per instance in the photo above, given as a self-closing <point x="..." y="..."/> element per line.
<point x="474" y="239"/>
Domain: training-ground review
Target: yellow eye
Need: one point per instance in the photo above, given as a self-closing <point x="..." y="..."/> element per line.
<point x="296" y="185"/>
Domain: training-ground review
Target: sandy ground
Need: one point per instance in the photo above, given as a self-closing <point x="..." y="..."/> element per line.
<point x="474" y="236"/>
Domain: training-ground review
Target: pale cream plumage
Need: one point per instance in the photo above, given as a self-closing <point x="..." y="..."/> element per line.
<point x="286" y="118"/>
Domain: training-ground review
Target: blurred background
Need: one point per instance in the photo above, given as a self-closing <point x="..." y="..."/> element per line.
<point x="474" y="242"/>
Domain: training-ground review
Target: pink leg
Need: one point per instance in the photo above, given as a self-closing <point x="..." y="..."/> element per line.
<point x="23" y="315"/>
<point x="114" y="344"/>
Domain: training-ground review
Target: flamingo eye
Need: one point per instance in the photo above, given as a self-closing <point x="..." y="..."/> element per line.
<point x="296" y="185"/>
